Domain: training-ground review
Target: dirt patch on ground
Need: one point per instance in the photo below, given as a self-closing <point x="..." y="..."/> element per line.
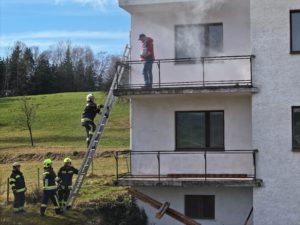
<point x="9" y="158"/>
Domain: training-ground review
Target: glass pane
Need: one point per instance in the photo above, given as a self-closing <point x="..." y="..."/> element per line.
<point x="296" y="127"/>
<point x="190" y="130"/>
<point x="215" y="38"/>
<point x="295" y="16"/>
<point x="216" y="130"/>
<point x="189" y="39"/>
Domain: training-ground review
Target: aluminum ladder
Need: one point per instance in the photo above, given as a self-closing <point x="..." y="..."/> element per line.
<point x="88" y="158"/>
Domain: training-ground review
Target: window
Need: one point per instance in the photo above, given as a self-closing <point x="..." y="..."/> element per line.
<point x="295" y="31"/>
<point x="199" y="130"/>
<point x="296" y="127"/>
<point x="194" y="41"/>
<point x="200" y="206"/>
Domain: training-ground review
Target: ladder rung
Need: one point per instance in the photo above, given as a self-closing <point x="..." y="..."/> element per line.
<point x="100" y="128"/>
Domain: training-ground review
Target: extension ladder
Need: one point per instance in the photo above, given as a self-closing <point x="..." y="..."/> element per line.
<point x="87" y="160"/>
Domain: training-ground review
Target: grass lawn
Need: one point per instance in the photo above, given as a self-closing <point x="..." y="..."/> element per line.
<point x="58" y="122"/>
<point x="57" y="129"/>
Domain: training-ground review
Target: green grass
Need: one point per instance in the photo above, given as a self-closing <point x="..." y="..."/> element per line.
<point x="57" y="129"/>
<point x="58" y="122"/>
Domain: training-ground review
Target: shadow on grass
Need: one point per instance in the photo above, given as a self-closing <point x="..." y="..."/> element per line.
<point x="32" y="217"/>
<point x="54" y="138"/>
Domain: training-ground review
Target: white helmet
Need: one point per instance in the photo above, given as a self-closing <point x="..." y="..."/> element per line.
<point x="16" y="164"/>
<point x="90" y="98"/>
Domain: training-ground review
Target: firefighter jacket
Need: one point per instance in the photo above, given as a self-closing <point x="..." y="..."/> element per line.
<point x="65" y="175"/>
<point x="49" y="179"/>
<point x="148" y="50"/>
<point x="90" y="111"/>
<point x="17" y="181"/>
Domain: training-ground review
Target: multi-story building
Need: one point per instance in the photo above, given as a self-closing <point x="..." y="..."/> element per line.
<point x="218" y="132"/>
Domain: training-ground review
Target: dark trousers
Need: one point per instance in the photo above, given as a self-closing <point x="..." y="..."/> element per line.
<point x="63" y="195"/>
<point x="50" y="194"/>
<point x="19" y="201"/>
<point x="90" y="128"/>
<point x="147" y="72"/>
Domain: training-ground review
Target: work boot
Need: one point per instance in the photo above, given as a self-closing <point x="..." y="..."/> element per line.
<point x="42" y="211"/>
<point x="58" y="211"/>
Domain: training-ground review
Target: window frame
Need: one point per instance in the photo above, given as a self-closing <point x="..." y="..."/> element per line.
<point x="199" y="216"/>
<point x="294" y="148"/>
<point x="291" y="32"/>
<point x="205" y="36"/>
<point x="207" y="131"/>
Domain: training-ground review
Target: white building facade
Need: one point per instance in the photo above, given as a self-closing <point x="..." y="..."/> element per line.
<point x="217" y="133"/>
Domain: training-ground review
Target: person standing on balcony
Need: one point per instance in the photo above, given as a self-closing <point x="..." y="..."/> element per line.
<point x="147" y="56"/>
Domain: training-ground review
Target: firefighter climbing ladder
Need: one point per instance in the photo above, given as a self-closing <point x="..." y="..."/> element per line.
<point x="87" y="160"/>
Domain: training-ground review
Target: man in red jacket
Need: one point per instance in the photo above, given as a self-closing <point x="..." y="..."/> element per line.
<point x="147" y="56"/>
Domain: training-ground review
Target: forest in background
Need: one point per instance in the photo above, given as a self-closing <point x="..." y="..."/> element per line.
<point x="61" y="68"/>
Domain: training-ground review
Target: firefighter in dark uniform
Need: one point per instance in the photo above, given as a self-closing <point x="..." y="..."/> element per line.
<point x="50" y="188"/>
<point x="17" y="183"/>
<point x="88" y="116"/>
<point x="65" y="175"/>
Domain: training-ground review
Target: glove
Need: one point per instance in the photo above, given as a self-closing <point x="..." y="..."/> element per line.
<point x="100" y="106"/>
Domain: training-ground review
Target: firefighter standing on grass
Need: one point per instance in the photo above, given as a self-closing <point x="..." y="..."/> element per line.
<point x="65" y="175"/>
<point x="50" y="188"/>
<point x="17" y="183"/>
<point x="88" y="116"/>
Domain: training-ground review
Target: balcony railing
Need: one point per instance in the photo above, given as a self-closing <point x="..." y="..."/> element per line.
<point x="205" y="72"/>
<point x="207" y="165"/>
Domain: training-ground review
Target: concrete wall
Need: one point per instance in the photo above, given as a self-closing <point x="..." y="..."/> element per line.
<point x="232" y="205"/>
<point x="158" y="21"/>
<point x="277" y="74"/>
<point x="153" y="128"/>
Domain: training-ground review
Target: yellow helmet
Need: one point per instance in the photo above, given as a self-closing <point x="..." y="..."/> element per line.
<point x="47" y="163"/>
<point x="67" y="160"/>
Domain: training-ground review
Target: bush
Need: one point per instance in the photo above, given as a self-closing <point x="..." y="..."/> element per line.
<point x="34" y="196"/>
<point x="120" y="211"/>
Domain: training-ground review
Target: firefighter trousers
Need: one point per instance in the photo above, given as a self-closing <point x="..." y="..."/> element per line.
<point x="50" y="194"/>
<point x="19" y="201"/>
<point x="90" y="127"/>
<point x="63" y="195"/>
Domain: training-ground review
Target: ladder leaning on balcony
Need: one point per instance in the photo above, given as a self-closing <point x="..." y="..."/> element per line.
<point x="87" y="160"/>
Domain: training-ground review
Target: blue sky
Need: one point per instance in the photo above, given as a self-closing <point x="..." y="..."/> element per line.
<point x="100" y="24"/>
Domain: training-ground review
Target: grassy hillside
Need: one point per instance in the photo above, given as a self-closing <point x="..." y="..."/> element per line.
<point x="58" y="122"/>
<point x="57" y="129"/>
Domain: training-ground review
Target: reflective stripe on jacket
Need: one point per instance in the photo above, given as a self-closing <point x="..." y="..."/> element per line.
<point x="65" y="175"/>
<point x="17" y="181"/>
<point x="49" y="181"/>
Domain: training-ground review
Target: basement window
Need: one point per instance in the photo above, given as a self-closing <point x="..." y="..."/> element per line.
<point x="296" y="127"/>
<point x="200" y="206"/>
<point x="199" y="130"/>
<point x="198" y="40"/>
<point x="295" y="31"/>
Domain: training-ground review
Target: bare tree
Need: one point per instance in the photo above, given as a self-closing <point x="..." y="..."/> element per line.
<point x="28" y="110"/>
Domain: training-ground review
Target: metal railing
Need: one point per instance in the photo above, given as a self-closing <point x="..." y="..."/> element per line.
<point x="158" y="164"/>
<point x="219" y="71"/>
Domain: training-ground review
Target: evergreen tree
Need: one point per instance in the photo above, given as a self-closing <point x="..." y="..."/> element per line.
<point x="2" y="76"/>
<point x="43" y="78"/>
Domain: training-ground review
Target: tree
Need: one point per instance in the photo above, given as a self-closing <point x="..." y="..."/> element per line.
<point x="43" y="79"/>
<point x="26" y="71"/>
<point x="2" y="76"/>
<point x="28" y="112"/>
<point x="14" y="69"/>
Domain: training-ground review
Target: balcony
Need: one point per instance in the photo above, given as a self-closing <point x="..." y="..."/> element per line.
<point x="231" y="168"/>
<point x="221" y="74"/>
